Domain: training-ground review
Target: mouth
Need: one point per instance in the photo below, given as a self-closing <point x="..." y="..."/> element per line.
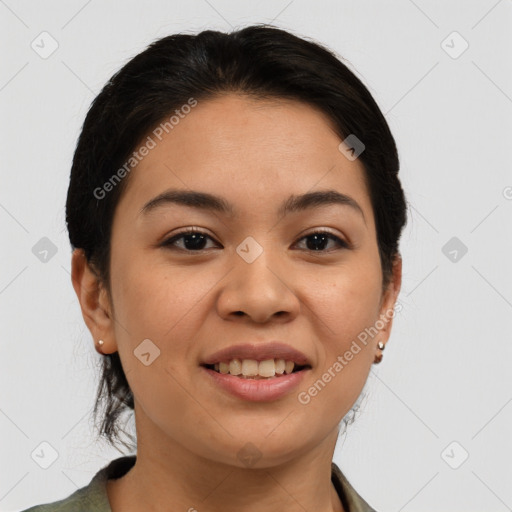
<point x="257" y="370"/>
<point x="267" y="360"/>
<point x="247" y="384"/>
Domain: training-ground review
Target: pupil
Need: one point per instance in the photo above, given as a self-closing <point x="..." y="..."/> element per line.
<point x="319" y="239"/>
<point x="197" y="241"/>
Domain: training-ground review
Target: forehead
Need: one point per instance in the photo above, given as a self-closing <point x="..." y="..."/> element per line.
<point x="249" y="150"/>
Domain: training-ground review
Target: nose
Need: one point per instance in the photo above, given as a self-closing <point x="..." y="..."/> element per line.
<point x="260" y="291"/>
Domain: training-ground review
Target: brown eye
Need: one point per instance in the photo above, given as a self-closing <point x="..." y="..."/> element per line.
<point x="318" y="240"/>
<point x="192" y="241"/>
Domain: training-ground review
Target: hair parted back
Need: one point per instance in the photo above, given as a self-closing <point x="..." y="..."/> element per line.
<point x="260" y="61"/>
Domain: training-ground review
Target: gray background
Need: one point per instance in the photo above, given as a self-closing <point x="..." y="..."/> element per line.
<point x="444" y="388"/>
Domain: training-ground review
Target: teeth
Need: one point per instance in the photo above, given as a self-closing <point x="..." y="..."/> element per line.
<point x="235" y="367"/>
<point x="267" y="368"/>
<point x="223" y="368"/>
<point x="280" y="365"/>
<point x="250" y="368"/>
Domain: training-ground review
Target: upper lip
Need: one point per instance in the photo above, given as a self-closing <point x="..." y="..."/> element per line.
<point x="259" y="352"/>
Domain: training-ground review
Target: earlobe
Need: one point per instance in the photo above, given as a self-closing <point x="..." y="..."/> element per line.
<point x="93" y="300"/>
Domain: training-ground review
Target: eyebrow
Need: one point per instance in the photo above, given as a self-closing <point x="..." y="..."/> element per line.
<point x="206" y="201"/>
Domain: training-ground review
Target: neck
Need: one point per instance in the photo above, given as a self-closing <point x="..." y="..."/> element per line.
<point x="168" y="475"/>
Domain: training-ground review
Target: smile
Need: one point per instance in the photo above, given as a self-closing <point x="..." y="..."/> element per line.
<point x="256" y="388"/>
<point x="252" y="369"/>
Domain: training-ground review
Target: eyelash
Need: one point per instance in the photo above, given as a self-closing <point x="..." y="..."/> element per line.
<point x="192" y="231"/>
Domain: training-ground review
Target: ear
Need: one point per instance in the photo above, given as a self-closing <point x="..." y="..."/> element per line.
<point x="388" y="302"/>
<point x="94" y="302"/>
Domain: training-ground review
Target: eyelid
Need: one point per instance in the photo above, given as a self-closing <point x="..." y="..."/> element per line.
<point x="321" y="230"/>
<point x="168" y="240"/>
<point x="342" y="241"/>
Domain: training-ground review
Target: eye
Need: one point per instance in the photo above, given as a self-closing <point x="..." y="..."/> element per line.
<point x="193" y="240"/>
<point x="319" y="239"/>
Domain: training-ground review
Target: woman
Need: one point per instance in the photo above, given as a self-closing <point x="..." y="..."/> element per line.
<point x="235" y="213"/>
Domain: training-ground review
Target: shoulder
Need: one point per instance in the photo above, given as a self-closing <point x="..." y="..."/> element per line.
<point x="93" y="497"/>
<point x="82" y="500"/>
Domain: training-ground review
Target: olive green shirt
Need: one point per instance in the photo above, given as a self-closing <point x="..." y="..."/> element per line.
<point x="93" y="497"/>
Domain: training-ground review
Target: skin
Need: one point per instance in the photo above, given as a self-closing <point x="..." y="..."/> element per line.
<point x="254" y="153"/>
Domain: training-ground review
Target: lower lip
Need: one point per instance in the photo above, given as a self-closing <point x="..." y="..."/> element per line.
<point x="257" y="390"/>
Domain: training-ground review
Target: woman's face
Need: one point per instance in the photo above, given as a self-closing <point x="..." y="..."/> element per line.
<point x="254" y="277"/>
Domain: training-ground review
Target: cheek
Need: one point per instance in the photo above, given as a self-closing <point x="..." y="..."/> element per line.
<point x="152" y="300"/>
<point x="347" y="300"/>
<point x="162" y="304"/>
<point x="165" y="304"/>
<point x="345" y="359"/>
<point x="348" y="308"/>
